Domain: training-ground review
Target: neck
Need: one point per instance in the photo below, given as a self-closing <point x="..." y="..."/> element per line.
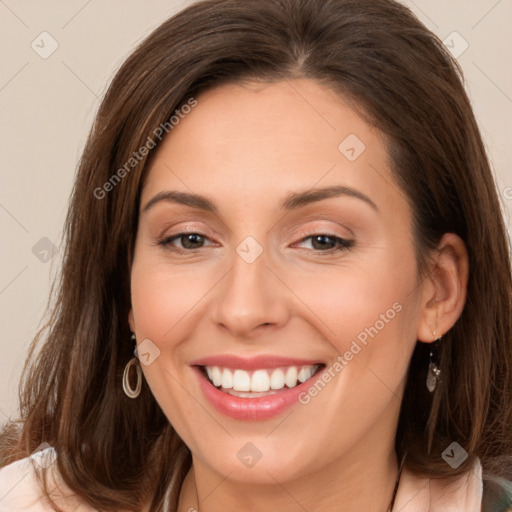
<point x="360" y="480"/>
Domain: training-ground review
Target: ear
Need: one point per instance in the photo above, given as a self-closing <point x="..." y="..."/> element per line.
<point x="444" y="289"/>
<point x="131" y="322"/>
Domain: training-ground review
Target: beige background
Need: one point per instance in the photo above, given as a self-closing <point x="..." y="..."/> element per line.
<point x="47" y="106"/>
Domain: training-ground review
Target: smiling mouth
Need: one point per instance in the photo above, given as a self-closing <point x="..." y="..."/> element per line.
<point x="260" y="382"/>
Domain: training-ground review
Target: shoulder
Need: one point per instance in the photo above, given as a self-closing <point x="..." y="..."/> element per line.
<point x="473" y="491"/>
<point x="20" y="490"/>
<point x="497" y="494"/>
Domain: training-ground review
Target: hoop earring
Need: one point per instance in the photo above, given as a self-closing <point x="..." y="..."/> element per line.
<point x="128" y="390"/>
<point x="433" y="368"/>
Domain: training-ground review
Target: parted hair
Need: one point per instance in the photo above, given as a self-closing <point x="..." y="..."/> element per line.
<point x="116" y="452"/>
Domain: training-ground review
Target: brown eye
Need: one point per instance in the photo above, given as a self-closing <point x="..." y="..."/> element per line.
<point x="324" y="243"/>
<point x="184" y="241"/>
<point x="191" y="240"/>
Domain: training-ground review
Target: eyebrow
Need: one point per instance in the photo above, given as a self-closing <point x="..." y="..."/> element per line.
<point x="172" y="196"/>
<point x="291" y="202"/>
<point x="300" y="199"/>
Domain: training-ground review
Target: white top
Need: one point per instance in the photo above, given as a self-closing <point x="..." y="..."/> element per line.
<point x="19" y="491"/>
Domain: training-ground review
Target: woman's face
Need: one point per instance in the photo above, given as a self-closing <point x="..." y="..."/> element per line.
<point x="298" y="258"/>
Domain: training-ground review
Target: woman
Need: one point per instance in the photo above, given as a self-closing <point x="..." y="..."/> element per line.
<point x="286" y="208"/>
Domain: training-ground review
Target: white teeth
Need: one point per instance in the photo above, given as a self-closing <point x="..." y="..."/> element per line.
<point x="277" y="379"/>
<point x="259" y="381"/>
<point x="305" y="373"/>
<point x="241" y="381"/>
<point x="216" y="376"/>
<point x="291" y="377"/>
<point x="227" y="379"/>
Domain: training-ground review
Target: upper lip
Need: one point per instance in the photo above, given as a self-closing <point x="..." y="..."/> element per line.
<point x="252" y="363"/>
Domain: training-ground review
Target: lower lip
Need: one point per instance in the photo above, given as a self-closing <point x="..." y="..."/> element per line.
<point x="251" y="409"/>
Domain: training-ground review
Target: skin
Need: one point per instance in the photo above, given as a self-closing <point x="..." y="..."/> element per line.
<point x="246" y="147"/>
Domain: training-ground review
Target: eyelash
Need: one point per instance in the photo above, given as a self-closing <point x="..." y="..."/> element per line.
<point x="343" y="243"/>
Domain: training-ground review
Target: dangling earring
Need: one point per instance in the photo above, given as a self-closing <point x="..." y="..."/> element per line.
<point x="433" y="369"/>
<point x="129" y="391"/>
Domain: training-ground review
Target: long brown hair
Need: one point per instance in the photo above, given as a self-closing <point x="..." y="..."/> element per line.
<point x="116" y="452"/>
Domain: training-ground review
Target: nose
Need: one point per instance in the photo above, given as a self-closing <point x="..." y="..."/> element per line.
<point x="250" y="298"/>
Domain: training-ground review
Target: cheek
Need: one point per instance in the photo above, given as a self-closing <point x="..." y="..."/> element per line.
<point x="162" y="297"/>
<point x="351" y="301"/>
<point x="368" y="312"/>
<point x="160" y="301"/>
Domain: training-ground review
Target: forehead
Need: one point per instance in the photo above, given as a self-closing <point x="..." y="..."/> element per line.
<point x="258" y="140"/>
